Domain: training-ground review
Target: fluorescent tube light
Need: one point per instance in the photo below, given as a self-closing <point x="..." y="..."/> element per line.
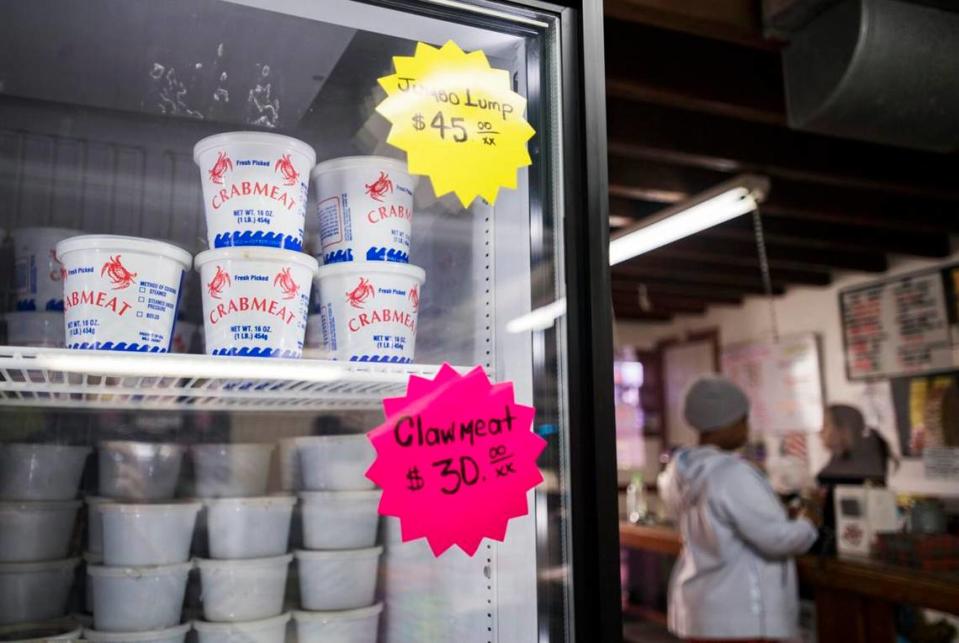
<point x="726" y="201"/>
<point x="538" y="319"/>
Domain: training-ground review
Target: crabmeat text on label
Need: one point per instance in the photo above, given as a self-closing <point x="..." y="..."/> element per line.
<point x="124" y="301"/>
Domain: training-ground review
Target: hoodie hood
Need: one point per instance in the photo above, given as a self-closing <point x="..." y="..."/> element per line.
<point x="684" y="481"/>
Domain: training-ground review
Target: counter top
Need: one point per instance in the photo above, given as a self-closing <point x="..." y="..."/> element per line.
<point x="864" y="577"/>
<point x="661" y="539"/>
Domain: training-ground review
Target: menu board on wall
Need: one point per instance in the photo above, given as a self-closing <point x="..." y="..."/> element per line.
<point x="901" y="326"/>
<point x="783" y="381"/>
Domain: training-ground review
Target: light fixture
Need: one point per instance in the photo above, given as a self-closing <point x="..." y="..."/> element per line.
<point x="726" y="201"/>
<point x="539" y="318"/>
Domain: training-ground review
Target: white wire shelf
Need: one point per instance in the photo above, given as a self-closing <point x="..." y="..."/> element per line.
<point x="45" y="377"/>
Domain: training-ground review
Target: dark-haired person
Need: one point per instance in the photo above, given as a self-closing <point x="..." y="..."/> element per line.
<point x="735" y="579"/>
<point x="858" y="455"/>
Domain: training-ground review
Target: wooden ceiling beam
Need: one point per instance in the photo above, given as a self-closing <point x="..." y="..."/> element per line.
<point x="635" y="209"/>
<point x="738" y="21"/>
<point x="684" y="137"/>
<point x="698" y="271"/>
<point x="691" y="72"/>
<point x="665" y="183"/>
<point x="702" y="288"/>
<point x="837" y="238"/>
<point x="743" y="253"/>
<point x="751" y="283"/>
<point x="658" y="303"/>
<point x="623" y="310"/>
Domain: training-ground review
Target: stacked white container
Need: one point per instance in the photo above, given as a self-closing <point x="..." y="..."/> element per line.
<point x="367" y="294"/>
<point x="339" y="564"/>
<point x="244" y="578"/>
<point x="255" y="279"/>
<point x="38" y="319"/>
<point x="430" y="598"/>
<point x="38" y="484"/>
<point x="145" y="539"/>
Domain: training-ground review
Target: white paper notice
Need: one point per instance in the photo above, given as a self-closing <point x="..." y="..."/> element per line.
<point x="783" y="381"/>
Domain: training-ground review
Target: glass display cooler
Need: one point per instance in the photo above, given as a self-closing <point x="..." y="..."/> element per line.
<point x="202" y="323"/>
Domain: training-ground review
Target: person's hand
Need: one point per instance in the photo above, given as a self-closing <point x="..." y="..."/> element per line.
<point x="811" y="509"/>
<point x="813" y="515"/>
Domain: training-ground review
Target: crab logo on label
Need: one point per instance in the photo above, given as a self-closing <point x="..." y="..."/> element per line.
<point x="117" y="273"/>
<point x="363" y="291"/>
<point x="414" y="297"/>
<point x="378" y="188"/>
<point x="285" y="281"/>
<point x="285" y="167"/>
<point x="222" y="164"/>
<point x="220" y="280"/>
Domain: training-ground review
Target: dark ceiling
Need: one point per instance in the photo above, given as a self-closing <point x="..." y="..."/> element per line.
<point x="694" y="97"/>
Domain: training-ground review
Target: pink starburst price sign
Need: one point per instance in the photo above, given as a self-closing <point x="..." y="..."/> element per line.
<point x="455" y="459"/>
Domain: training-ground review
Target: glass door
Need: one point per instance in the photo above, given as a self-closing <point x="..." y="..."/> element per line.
<point x="215" y="268"/>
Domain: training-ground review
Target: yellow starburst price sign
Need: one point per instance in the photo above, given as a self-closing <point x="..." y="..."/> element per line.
<point x="458" y="120"/>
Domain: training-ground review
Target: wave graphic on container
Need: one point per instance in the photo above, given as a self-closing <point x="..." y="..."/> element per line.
<point x="262" y="239"/>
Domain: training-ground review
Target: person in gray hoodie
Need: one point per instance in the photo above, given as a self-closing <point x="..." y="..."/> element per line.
<point x="735" y="578"/>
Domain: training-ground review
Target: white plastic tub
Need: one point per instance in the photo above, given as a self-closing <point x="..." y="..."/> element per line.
<point x="365" y="209"/>
<point x="41" y="471"/>
<point x="255" y="300"/>
<point x="175" y="634"/>
<point x="338" y="580"/>
<point x="121" y="293"/>
<point x="231" y="470"/>
<point x="243" y="590"/>
<point x="369" y="311"/>
<point x="254" y="172"/>
<point x="137" y="599"/>
<point x="32" y="531"/>
<point x="89" y="559"/>
<point x="56" y="630"/>
<point x="249" y="527"/>
<point x="137" y="535"/>
<point x="267" y="630"/>
<point x="139" y="470"/>
<point x="95" y="524"/>
<point x="35" y="591"/>
<point x="289" y="458"/>
<point x="349" y="626"/>
<point x="340" y="519"/>
<point x="39" y="278"/>
<point x="43" y="329"/>
<point x="336" y="462"/>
